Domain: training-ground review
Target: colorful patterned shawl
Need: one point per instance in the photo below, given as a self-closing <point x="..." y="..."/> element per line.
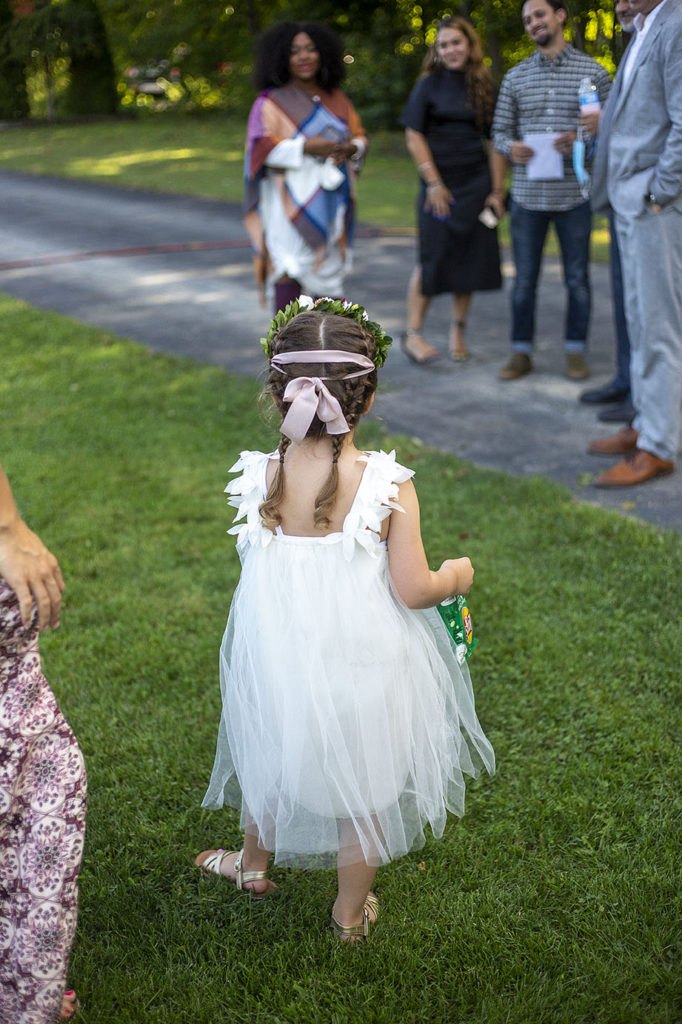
<point x="286" y="113"/>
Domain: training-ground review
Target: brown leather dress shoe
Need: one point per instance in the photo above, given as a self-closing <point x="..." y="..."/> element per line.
<point x="641" y="467"/>
<point x="622" y="443"/>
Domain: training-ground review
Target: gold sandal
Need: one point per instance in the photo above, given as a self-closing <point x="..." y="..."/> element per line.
<point x="360" y="931"/>
<point x="211" y="866"/>
<point x="432" y="354"/>
<point x="460" y="355"/>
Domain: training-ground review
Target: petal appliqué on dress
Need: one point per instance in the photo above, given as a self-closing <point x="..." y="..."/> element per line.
<point x="246" y="494"/>
<point x="376" y="499"/>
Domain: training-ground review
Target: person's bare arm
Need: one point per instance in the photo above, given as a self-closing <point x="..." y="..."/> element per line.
<point x="31" y="570"/>
<point x="417" y="585"/>
<point x="438" y="197"/>
<point x="498" y="169"/>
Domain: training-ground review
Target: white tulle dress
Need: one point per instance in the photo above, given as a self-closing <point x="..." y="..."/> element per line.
<point x="347" y="722"/>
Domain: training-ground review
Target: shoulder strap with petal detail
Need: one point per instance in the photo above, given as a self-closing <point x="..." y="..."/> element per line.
<point x="376" y="499"/>
<point x="246" y="493"/>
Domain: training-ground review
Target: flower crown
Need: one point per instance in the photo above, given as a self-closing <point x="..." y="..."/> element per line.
<point x="339" y="307"/>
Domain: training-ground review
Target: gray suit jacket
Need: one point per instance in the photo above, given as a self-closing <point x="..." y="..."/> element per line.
<point x="639" y="147"/>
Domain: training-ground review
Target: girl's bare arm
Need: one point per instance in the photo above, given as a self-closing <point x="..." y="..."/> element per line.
<point x="417" y="585"/>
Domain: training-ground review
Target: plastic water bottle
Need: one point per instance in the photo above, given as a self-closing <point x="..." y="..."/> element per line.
<point x="588" y="97"/>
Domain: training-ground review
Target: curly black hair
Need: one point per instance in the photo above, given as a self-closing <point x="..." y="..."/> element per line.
<point x="273" y="51"/>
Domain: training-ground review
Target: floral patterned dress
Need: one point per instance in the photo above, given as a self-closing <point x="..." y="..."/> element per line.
<point x="42" y="829"/>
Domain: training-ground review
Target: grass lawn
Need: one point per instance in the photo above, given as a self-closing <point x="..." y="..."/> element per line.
<point x="555" y="900"/>
<point x="205" y="157"/>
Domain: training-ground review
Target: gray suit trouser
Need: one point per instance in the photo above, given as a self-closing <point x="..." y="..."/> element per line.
<point x="651" y="254"/>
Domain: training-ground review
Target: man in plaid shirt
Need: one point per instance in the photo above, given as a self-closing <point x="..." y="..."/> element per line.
<point x="540" y="97"/>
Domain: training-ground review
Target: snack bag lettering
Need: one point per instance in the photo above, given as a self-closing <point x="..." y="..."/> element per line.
<point x="456" y="615"/>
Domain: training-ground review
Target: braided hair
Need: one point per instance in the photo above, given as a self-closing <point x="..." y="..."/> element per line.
<point x="311" y="331"/>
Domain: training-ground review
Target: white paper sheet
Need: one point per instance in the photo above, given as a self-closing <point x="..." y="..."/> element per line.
<point x="547" y="162"/>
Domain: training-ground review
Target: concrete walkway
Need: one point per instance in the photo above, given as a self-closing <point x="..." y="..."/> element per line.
<point x="175" y="273"/>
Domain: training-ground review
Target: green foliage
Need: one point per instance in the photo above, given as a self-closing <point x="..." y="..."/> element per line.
<point x="555" y="900"/>
<point x="62" y="47"/>
<point x="211" y="44"/>
<point x="13" y="94"/>
<point x="380" y="80"/>
<point x="340" y="307"/>
<point x="208" y="48"/>
<point x="36" y="41"/>
<point x="208" y="45"/>
<point x="92" y="84"/>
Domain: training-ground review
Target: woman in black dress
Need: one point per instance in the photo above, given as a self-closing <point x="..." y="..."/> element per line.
<point x="447" y="121"/>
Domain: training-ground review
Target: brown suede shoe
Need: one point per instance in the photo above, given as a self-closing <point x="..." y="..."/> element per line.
<point x="518" y="365"/>
<point x="618" y="444"/>
<point x="641" y="467"/>
<point x="576" y="367"/>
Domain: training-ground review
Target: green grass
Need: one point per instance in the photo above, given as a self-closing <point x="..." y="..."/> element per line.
<point x="555" y="900"/>
<point x="205" y="157"/>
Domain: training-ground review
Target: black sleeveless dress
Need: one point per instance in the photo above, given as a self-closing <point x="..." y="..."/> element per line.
<point x="459" y="255"/>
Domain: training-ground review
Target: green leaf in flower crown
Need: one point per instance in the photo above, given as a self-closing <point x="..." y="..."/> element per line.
<point x="338" y="307"/>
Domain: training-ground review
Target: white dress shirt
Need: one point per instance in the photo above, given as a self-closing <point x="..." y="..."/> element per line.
<point x="643" y="25"/>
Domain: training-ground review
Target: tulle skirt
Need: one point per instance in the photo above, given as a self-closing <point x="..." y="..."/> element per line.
<point x="347" y="722"/>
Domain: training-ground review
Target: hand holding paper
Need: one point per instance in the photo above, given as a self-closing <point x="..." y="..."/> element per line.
<point x="546" y="163"/>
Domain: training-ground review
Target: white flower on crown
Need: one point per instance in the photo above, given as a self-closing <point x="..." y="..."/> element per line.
<point x="305" y="302"/>
<point x="349" y="306"/>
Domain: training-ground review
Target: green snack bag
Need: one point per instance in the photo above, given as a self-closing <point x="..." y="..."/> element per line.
<point x="457" y="618"/>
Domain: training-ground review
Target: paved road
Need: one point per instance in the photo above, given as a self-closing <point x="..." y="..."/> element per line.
<point x="174" y="273"/>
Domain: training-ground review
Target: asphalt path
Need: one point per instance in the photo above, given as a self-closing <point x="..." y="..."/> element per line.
<point x="174" y="273"/>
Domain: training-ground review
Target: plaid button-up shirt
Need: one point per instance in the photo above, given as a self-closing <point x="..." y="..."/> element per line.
<point x="541" y="95"/>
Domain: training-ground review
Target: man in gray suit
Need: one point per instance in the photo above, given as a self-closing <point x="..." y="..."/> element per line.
<point x="638" y="170"/>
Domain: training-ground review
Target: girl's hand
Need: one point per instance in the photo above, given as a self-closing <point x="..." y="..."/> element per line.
<point x="462" y="571"/>
<point x="438" y="200"/>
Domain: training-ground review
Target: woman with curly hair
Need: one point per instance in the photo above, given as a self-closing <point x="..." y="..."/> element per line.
<point x="447" y="125"/>
<point x="304" y="146"/>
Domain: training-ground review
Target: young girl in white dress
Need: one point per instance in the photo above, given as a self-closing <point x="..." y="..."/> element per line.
<point x="348" y="722"/>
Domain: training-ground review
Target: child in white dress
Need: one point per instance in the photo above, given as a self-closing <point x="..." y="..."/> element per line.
<point x="347" y="722"/>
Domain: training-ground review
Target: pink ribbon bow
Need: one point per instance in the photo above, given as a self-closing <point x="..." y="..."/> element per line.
<point x="308" y="396"/>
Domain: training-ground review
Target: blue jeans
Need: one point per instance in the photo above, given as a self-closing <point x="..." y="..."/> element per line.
<point x="528" y="233"/>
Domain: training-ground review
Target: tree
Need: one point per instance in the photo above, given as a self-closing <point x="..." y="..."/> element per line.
<point x="54" y="36"/>
<point x="35" y="39"/>
<point x="13" y="95"/>
<point x="211" y="42"/>
<point x="92" y="81"/>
